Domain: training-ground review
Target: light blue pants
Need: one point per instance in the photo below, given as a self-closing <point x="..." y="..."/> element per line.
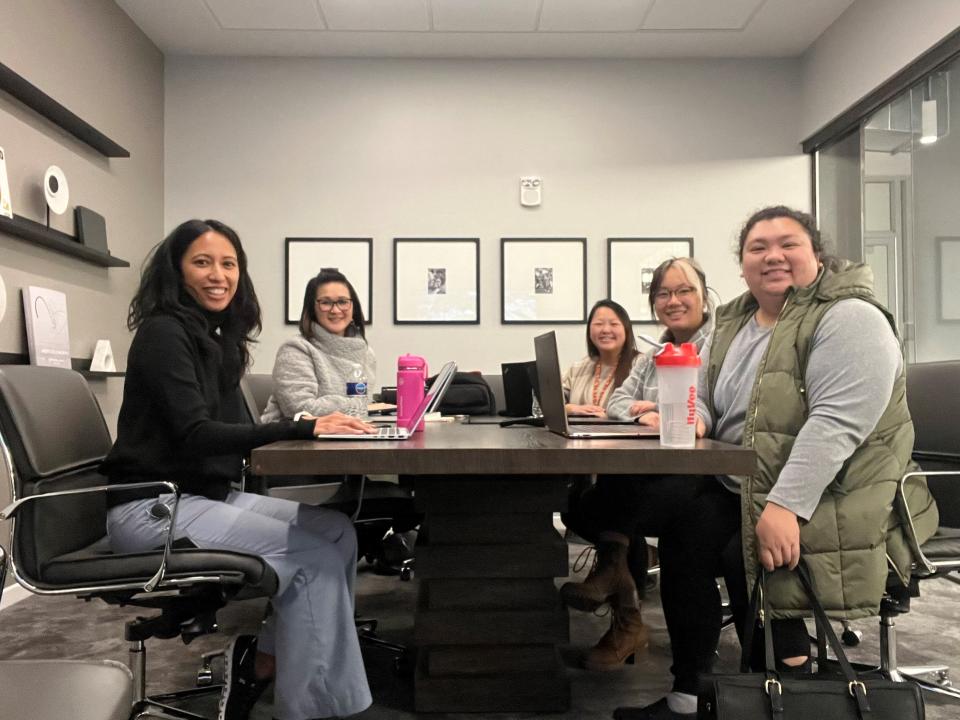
<point x="314" y="553"/>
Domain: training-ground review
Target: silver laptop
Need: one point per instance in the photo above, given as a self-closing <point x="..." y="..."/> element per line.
<point x="431" y="401"/>
<point x="551" y="399"/>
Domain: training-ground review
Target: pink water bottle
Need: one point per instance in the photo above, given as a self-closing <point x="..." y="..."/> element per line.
<point x="411" y="381"/>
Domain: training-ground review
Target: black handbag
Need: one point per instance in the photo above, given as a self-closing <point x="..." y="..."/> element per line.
<point x="467" y="394"/>
<point x="822" y="696"/>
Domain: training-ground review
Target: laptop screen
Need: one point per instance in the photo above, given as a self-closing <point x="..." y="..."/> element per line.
<point x="549" y="379"/>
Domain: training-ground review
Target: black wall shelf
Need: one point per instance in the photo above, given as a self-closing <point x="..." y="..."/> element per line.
<point x="41" y="103"/>
<point x="27" y="229"/>
<point x="81" y="365"/>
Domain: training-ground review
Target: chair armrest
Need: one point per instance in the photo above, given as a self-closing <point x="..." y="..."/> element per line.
<point x="11" y="510"/>
<point x="908" y="517"/>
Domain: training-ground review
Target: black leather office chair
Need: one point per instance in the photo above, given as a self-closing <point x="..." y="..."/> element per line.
<point x="52" y="440"/>
<point x="57" y="689"/>
<point x="933" y="394"/>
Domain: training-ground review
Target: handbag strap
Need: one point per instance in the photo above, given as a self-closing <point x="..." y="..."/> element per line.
<point x="760" y="607"/>
<point x="855" y="687"/>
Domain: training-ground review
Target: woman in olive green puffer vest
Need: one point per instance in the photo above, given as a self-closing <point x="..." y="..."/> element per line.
<point x="806" y="369"/>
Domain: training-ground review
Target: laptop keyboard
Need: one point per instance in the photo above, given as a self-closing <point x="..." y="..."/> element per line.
<point x="388" y="431"/>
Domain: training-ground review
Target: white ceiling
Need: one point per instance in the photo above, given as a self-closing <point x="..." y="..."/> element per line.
<point x="486" y="28"/>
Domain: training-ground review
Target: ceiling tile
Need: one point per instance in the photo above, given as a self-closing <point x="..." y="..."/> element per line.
<point x="700" y="14"/>
<point x="485" y="15"/>
<point x="266" y="14"/>
<point x="595" y="16"/>
<point x="376" y="15"/>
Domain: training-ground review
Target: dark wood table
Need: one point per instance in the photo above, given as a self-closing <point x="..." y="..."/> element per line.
<point x="488" y="619"/>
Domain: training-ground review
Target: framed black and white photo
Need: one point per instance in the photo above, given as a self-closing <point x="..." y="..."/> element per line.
<point x="304" y="258"/>
<point x="948" y="262"/>
<point x="630" y="266"/>
<point x="543" y="280"/>
<point x="436" y="280"/>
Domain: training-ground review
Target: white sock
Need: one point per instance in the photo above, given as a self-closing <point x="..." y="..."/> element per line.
<point x="682" y="703"/>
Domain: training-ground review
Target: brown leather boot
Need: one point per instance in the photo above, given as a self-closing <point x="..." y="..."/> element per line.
<point x="608" y="581"/>
<point x="627" y="635"/>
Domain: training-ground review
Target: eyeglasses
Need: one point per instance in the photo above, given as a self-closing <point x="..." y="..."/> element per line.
<point x="326" y="305"/>
<point x="662" y="297"/>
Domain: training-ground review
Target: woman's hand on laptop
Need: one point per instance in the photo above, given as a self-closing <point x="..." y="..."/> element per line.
<point x="640" y="407"/>
<point x="339" y="424"/>
<point x="573" y="409"/>
<point x="650" y="418"/>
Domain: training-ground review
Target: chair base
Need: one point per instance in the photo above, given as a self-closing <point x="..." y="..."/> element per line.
<point x="157" y="707"/>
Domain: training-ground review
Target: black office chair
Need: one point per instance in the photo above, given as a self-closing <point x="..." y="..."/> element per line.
<point x="933" y="394"/>
<point x="52" y="439"/>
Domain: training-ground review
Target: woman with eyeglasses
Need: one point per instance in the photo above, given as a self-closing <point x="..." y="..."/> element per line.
<point x="311" y="371"/>
<point x="611" y="353"/>
<point x="678" y="298"/>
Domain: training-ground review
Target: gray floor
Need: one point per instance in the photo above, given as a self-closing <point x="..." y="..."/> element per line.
<point x="68" y="628"/>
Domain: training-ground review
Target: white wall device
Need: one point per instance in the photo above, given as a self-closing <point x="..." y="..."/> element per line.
<point x="55" y="190"/>
<point x="530" y="188"/>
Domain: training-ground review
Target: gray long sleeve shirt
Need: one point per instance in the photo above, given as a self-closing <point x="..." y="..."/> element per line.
<point x="854" y="360"/>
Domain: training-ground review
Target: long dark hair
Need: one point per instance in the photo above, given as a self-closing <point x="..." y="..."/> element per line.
<point x="161" y="292"/>
<point x="629" y="352"/>
<point x="309" y="312"/>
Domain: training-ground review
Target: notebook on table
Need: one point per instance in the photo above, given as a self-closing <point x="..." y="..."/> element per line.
<point x="431" y="401"/>
<point x="552" y="402"/>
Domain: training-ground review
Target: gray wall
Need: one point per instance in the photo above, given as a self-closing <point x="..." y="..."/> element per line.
<point x="91" y="58"/>
<point x="384" y="149"/>
<point x="868" y="44"/>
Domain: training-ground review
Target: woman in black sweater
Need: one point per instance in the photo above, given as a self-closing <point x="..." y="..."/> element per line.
<point x="182" y="420"/>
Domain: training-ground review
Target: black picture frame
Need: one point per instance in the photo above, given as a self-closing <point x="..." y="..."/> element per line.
<point x="436" y="281"/>
<point x="310" y="255"/>
<point x="525" y="284"/>
<point x="628" y="286"/>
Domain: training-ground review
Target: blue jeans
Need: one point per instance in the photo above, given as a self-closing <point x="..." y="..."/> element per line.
<point x="314" y="553"/>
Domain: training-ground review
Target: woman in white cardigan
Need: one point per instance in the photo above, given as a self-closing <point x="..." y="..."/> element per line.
<point x="311" y="371"/>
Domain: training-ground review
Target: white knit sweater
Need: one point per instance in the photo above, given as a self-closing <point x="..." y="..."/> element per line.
<point x="311" y="375"/>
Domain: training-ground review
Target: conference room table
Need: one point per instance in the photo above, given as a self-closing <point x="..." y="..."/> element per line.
<point x="488" y="619"/>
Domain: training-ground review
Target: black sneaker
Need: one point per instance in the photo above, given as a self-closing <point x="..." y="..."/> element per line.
<point x="241" y="689"/>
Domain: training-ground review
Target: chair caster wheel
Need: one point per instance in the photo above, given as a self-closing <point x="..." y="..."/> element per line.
<point x="406" y="574"/>
<point x="850" y="637"/>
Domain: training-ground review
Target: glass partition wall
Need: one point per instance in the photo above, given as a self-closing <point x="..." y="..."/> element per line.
<point x="888" y="194"/>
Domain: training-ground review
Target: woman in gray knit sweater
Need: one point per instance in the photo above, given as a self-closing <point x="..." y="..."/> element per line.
<point x="311" y="371"/>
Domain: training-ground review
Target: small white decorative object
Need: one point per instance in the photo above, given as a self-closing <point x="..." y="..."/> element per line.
<point x="530" y="189"/>
<point x="6" y="205"/>
<point x="103" y="358"/>
<point x="3" y="299"/>
<point x="55" y="190"/>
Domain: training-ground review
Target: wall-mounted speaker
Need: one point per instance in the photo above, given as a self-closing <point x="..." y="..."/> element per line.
<point x="530" y="188"/>
<point x="55" y="190"/>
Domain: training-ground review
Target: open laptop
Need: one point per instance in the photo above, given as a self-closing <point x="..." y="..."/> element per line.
<point x="551" y="400"/>
<point x="431" y="401"/>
